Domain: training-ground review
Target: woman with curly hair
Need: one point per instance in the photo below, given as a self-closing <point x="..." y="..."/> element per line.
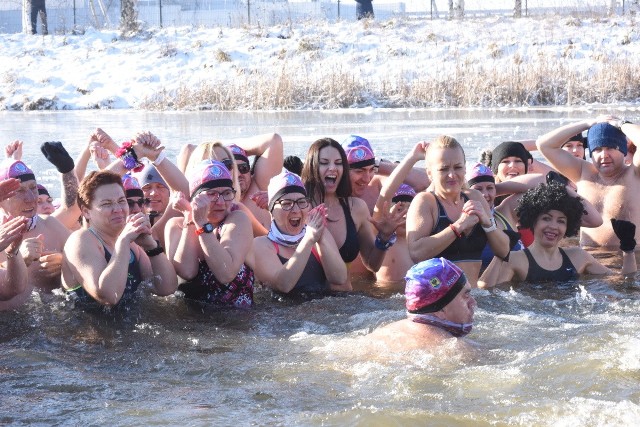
<point x="553" y="214"/>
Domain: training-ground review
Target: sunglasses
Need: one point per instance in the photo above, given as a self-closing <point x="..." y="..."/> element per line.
<point x="140" y="203"/>
<point x="243" y="168"/>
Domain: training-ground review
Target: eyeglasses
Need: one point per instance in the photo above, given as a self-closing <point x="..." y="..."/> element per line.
<point x="243" y="168"/>
<point x="228" y="163"/>
<point x="227" y="195"/>
<point x="287" y="204"/>
<point x="140" y="202"/>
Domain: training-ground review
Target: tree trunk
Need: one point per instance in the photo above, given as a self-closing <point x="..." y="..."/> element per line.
<point x="26" y="16"/>
<point x="128" y="16"/>
<point x="517" y="9"/>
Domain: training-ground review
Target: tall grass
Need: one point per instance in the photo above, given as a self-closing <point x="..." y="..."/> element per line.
<point x="544" y="82"/>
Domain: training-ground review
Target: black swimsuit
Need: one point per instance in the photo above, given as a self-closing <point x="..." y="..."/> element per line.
<point x="313" y="281"/>
<point x="466" y="248"/>
<point x="538" y="274"/>
<point x="134" y="276"/>
<point x="351" y="247"/>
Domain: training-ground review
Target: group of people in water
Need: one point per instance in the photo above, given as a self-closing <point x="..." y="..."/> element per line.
<point x="213" y="225"/>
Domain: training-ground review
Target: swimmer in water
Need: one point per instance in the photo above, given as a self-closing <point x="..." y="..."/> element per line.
<point x="439" y="307"/>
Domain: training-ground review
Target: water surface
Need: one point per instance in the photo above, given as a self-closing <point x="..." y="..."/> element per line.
<point x="546" y="355"/>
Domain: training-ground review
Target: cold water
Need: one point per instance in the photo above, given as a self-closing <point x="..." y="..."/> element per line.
<point x="546" y="355"/>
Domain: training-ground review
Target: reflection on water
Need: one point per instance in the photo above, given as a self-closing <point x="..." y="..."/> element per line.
<point x="546" y="355"/>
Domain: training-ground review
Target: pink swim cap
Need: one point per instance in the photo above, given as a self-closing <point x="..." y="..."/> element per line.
<point x="16" y="169"/>
<point x="432" y="284"/>
<point x="360" y="157"/>
<point x="480" y="173"/>
<point x="405" y="193"/>
<point x="131" y="186"/>
<point x="208" y="174"/>
<point x="284" y="183"/>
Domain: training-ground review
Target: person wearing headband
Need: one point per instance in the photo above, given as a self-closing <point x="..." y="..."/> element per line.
<point x="211" y="244"/>
<point x="106" y="261"/>
<point x="439" y="307"/>
<point x="553" y="214"/>
<point x="605" y="181"/>
<point x="299" y="257"/>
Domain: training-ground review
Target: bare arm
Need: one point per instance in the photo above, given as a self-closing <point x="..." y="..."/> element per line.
<point x="416" y="177"/>
<point x="269" y="150"/>
<point x="497" y="272"/>
<point x="550" y="145"/>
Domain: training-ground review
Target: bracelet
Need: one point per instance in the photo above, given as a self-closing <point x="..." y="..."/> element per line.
<point x="129" y="158"/>
<point x="382" y="245"/>
<point x="159" y="159"/>
<point x="458" y="235"/>
<point x="155" y="251"/>
<point x="492" y="227"/>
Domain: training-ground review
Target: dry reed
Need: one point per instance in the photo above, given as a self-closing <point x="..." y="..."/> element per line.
<point x="542" y="83"/>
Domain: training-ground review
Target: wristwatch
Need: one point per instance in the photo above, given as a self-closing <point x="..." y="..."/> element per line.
<point x="206" y="228"/>
<point x="492" y="227"/>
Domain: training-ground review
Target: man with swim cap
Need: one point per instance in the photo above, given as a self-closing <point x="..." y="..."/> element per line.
<point x="606" y="181"/>
<point x="439" y="306"/>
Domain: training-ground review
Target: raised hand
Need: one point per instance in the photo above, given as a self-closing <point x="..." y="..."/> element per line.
<point x="316" y="221"/>
<point x="55" y="152"/>
<point x="13" y="150"/>
<point x="32" y="248"/>
<point x="390" y="220"/>
<point x="11" y="232"/>
<point x="626" y="232"/>
<point x="100" y="155"/>
<point x="261" y="199"/>
<point x="200" y="208"/>
<point x="104" y="140"/>
<point x="8" y="188"/>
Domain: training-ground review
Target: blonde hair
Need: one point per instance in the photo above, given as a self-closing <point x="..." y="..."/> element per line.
<point x="446" y="141"/>
<point x="206" y="151"/>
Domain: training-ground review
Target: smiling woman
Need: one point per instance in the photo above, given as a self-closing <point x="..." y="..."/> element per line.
<point x="552" y="214"/>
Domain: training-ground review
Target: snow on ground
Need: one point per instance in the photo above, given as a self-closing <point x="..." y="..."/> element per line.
<point x="102" y="69"/>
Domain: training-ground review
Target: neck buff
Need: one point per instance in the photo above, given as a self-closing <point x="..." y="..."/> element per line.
<point x="456" y="329"/>
<point x="275" y="235"/>
<point x="33" y="221"/>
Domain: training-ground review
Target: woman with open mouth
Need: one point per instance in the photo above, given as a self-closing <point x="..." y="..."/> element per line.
<point x="299" y="257"/>
<point x="209" y="246"/>
<point x="326" y="177"/>
<point x="552" y="213"/>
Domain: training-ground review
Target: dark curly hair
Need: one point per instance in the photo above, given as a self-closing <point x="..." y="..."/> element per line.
<point x="547" y="197"/>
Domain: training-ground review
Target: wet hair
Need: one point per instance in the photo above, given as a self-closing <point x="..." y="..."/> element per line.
<point x="91" y="183"/>
<point x="311" y="171"/>
<point x="206" y="151"/>
<point x="293" y="164"/>
<point x="548" y="197"/>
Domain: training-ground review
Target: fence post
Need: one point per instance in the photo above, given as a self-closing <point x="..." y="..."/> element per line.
<point x="74" y="14"/>
<point x="338" y="10"/>
<point x="160" y="3"/>
<point x="249" y="12"/>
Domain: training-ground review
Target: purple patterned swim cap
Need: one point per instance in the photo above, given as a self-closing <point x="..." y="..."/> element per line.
<point x="208" y="174"/>
<point x="131" y="186"/>
<point x="16" y="169"/>
<point x="284" y="183"/>
<point x="480" y="173"/>
<point x="405" y="193"/>
<point x="432" y="284"/>
<point x="42" y="191"/>
<point x="238" y="152"/>
<point x="353" y="141"/>
<point x="360" y="157"/>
